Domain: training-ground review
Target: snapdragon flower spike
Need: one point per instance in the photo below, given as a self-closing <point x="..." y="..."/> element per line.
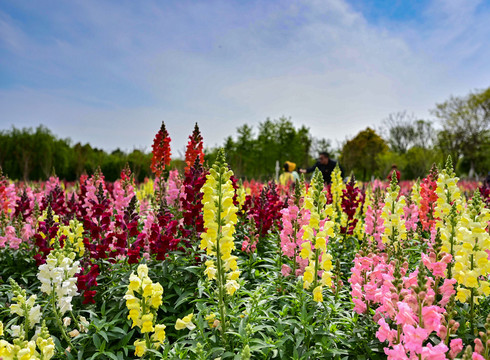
<point x="316" y="234"/>
<point x="293" y="220"/>
<point x="471" y="260"/>
<point x="448" y="211"/>
<point x="374" y="223"/>
<point x="194" y="149"/>
<point x="7" y="196"/>
<point x="447" y="192"/>
<point x="395" y="231"/>
<point x="143" y="298"/>
<point x="57" y="277"/>
<point x="161" y="151"/>
<point x="351" y="201"/>
<point x="220" y="218"/>
<point x="40" y="347"/>
<point x="336" y="190"/>
<point x="25" y="307"/>
<point x="190" y="201"/>
<point x="265" y="209"/>
<point x="428" y="200"/>
<point x="219" y="215"/>
<point x="410" y="316"/>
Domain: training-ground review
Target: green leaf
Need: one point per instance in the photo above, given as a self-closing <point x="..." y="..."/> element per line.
<point x="97" y="341"/>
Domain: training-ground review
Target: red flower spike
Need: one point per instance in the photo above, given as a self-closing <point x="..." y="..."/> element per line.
<point x="194" y="149"/>
<point x="161" y="151"/>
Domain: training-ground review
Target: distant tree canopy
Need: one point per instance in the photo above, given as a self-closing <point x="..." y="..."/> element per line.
<point x="253" y="155"/>
<point x="360" y="155"/>
<point x="466" y="130"/>
<point x="27" y="154"/>
<point x="411" y="143"/>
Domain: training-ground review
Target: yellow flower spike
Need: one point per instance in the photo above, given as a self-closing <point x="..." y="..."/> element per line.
<point x="317" y="294"/>
<point x="147" y="287"/>
<point x="315" y="232"/>
<point x="147" y="323"/>
<point x="327" y="278"/>
<point x="210" y="319"/>
<point x="231" y="286"/>
<point x="210" y="271"/>
<point x="233" y="275"/>
<point x="134" y="282"/>
<point x="185" y="322"/>
<point x="159" y="335"/>
<point x="142" y="271"/>
<point x="140" y="348"/>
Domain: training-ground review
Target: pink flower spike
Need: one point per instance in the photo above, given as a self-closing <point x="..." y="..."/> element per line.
<point x="456" y="346"/>
<point x="397" y="353"/>
<point x="385" y="333"/>
<point x="286" y="270"/>
<point x="437" y="352"/>
<point x="414" y="338"/>
<point x="405" y="314"/>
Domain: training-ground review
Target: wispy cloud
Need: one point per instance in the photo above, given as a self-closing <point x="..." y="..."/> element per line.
<point x="109" y="73"/>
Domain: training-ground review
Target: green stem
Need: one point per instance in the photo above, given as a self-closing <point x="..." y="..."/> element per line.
<point x="26" y="320"/>
<point x="148" y="344"/>
<point x="221" y="274"/>
<point x="451" y="241"/>
<point x="472" y="302"/>
<point x="315" y="275"/>
<point x="57" y="315"/>
<point x="74" y="320"/>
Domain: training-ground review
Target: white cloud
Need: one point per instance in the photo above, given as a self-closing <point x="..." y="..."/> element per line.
<point x="120" y="70"/>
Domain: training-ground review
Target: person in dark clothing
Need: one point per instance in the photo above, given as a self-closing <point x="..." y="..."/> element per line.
<point x="325" y="165"/>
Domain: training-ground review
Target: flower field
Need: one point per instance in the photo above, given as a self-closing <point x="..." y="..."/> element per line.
<point x="197" y="265"/>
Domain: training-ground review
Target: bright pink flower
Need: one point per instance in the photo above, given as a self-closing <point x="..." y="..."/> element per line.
<point x="174" y="184"/>
<point x="10" y="238"/>
<point x="432" y="317"/>
<point x="479" y="348"/>
<point x="477" y="356"/>
<point x="405" y="314"/>
<point x="456" y="346"/>
<point x="447" y="290"/>
<point x="27" y="232"/>
<point x="437" y="352"/>
<point x="384" y="332"/>
<point x="286" y="270"/>
<point x="397" y="353"/>
<point x="360" y="306"/>
<point x="413" y="338"/>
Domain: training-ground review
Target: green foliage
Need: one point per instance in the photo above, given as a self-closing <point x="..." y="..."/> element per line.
<point x="29" y="154"/>
<point x="466" y="129"/>
<point x="255" y="156"/>
<point x="360" y="155"/>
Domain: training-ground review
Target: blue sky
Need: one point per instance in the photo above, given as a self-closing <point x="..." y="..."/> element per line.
<point x="108" y="72"/>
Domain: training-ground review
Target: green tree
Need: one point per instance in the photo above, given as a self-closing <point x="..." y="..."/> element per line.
<point x="360" y="154"/>
<point x="255" y="156"/>
<point x="466" y="128"/>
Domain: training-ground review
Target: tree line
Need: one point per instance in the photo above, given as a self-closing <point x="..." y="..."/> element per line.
<point x="461" y="129"/>
<point x="36" y="154"/>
